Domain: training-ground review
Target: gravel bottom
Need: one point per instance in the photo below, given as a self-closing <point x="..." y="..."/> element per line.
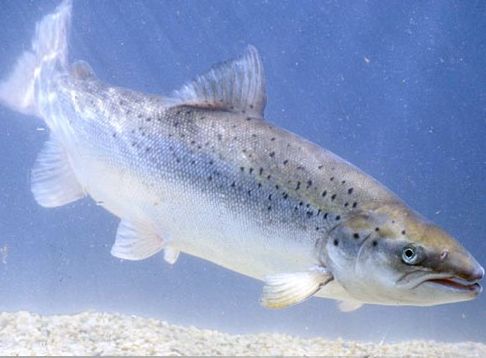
<point x="93" y="333"/>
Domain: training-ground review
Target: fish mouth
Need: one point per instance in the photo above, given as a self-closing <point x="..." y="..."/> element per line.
<point x="455" y="284"/>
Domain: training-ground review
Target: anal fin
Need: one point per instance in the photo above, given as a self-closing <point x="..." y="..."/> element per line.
<point x="135" y="241"/>
<point x="53" y="181"/>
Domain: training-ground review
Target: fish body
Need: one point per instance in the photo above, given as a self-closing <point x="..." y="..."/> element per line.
<point x="202" y="172"/>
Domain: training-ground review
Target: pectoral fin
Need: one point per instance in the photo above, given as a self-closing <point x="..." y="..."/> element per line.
<point x="287" y="289"/>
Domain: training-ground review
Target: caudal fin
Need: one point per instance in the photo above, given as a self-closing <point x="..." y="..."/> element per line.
<point x="34" y="68"/>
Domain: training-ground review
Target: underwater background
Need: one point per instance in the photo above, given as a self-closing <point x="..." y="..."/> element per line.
<point x="396" y="88"/>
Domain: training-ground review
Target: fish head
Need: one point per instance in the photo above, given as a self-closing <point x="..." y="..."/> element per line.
<point x="390" y="255"/>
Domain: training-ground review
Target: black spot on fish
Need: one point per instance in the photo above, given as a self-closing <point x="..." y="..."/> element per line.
<point x="147" y="149"/>
<point x="271" y="154"/>
<point x="269" y="196"/>
<point x="307" y="205"/>
<point x="317" y="228"/>
<point x="320" y="167"/>
<point x="333" y="197"/>
<point x="356" y="235"/>
<point x="248" y="118"/>
<point x="374" y="243"/>
<point x="176" y="124"/>
<point x="285" y="195"/>
<point x="249" y="192"/>
<point x="250" y="170"/>
<point x="301" y="203"/>
<point x="346" y="204"/>
<point x="114" y="135"/>
<point x="285" y="162"/>
<point x="260" y="171"/>
<point x="336" y="242"/>
<point x="210" y="178"/>
<point x="297" y="187"/>
<point x="251" y="106"/>
<point x="343" y="182"/>
<point x="268" y="177"/>
<point x="377" y="229"/>
<point x="324" y="193"/>
<point x="269" y="208"/>
<point x="350" y="191"/>
<point x="148" y="119"/>
<point x="309" y="183"/>
<point x="242" y="169"/>
<point x="355" y="204"/>
<point x="331" y="178"/>
<point x="259" y="185"/>
<point x="233" y="184"/>
<point x="277" y="187"/>
<point x="309" y="213"/>
<point x="325" y="215"/>
<point x="338" y="217"/>
<point x="272" y="139"/>
<point x="403" y="232"/>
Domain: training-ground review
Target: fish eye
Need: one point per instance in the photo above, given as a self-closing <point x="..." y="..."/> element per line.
<point x="410" y="255"/>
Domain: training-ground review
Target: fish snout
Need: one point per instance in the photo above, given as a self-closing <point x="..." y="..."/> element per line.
<point x="477" y="274"/>
<point x="466" y="267"/>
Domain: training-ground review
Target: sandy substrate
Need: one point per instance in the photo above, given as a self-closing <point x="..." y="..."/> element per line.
<point x="93" y="333"/>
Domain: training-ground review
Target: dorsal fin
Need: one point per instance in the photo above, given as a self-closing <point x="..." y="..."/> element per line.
<point x="237" y="86"/>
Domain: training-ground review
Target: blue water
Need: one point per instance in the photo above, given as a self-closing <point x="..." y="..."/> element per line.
<point x="397" y="88"/>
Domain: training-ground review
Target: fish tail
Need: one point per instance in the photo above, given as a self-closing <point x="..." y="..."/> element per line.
<point x="48" y="55"/>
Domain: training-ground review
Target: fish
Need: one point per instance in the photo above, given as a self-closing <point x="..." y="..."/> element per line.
<point x="202" y="172"/>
